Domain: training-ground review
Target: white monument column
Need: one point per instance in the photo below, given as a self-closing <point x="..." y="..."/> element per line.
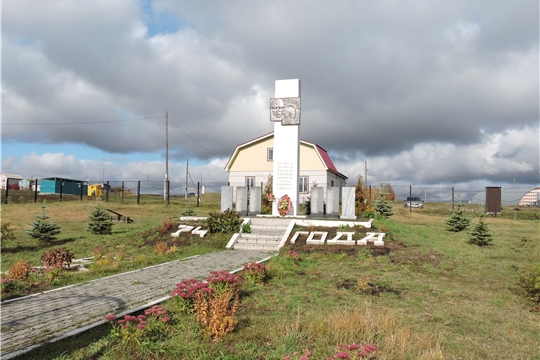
<point x="285" y="113"/>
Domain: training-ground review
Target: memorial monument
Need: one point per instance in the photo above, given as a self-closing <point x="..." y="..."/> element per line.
<point x="285" y="113"/>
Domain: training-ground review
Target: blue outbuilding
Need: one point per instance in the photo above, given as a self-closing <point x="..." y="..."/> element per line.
<point x="60" y="185"/>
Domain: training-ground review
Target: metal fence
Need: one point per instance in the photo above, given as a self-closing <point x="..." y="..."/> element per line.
<point x="447" y="197"/>
<point x="134" y="191"/>
<point x="110" y="191"/>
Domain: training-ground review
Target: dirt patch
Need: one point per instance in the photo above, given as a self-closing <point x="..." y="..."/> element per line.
<point x="367" y="288"/>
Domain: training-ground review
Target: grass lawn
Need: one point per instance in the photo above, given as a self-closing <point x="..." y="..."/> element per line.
<point x="130" y="246"/>
<point x="428" y="295"/>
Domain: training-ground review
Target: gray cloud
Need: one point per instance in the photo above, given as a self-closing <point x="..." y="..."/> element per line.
<point x="379" y="79"/>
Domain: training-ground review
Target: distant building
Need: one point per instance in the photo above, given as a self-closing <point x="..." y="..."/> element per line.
<point x="95" y="190"/>
<point x="530" y="197"/>
<point x="13" y="179"/>
<point x="252" y="162"/>
<point x="24" y="184"/>
<point x="65" y="186"/>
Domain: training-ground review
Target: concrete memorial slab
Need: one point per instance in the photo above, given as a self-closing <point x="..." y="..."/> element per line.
<point x="348" y="203"/>
<point x="241" y="199"/>
<point x="316" y="202"/>
<point x="332" y="202"/>
<point x="255" y="194"/>
<point x="226" y="198"/>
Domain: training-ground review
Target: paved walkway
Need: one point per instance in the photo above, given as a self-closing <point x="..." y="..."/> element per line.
<point x="30" y="321"/>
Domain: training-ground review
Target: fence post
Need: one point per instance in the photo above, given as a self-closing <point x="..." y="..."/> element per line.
<point x="139" y="192"/>
<point x="198" y="193"/>
<point x="107" y="192"/>
<point x="168" y="190"/>
<point x="81" y="189"/>
<point x="61" y="189"/>
<point x="452" y="198"/>
<point x="410" y="196"/>
<point x="122" y="191"/>
<point x="7" y="187"/>
<point x="35" y="191"/>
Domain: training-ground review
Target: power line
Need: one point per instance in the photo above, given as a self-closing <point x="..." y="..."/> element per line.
<point x="82" y="123"/>
<point x="189" y="136"/>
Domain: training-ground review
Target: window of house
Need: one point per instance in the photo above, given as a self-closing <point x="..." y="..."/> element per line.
<point x="303" y="184"/>
<point x="270" y="154"/>
<point x="250" y="181"/>
<point x="332" y="183"/>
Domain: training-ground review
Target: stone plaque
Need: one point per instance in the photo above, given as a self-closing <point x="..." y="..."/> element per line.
<point x="316" y="202"/>
<point x="332" y="202"/>
<point x="348" y="203"/>
<point x="284" y="178"/>
<point x="255" y="193"/>
<point x="241" y="199"/>
<point x="285" y="110"/>
<point x="226" y="198"/>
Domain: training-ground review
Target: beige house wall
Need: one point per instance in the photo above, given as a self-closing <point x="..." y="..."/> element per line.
<point x="309" y="159"/>
<point x="254" y="157"/>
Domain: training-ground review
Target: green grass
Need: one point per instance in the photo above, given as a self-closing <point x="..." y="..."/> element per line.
<point x="433" y="296"/>
<point x="134" y="242"/>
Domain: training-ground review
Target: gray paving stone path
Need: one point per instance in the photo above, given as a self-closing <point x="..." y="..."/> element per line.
<point x="55" y="314"/>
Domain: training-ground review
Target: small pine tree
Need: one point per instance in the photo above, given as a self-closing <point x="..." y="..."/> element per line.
<point x="481" y="235"/>
<point x="189" y="211"/>
<point x="383" y="207"/>
<point x="100" y="223"/>
<point x="42" y="229"/>
<point x="459" y="220"/>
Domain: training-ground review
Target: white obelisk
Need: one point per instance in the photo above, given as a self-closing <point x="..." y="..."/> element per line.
<point x="286" y="149"/>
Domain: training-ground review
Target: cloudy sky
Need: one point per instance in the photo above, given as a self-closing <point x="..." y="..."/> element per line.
<point x="427" y="92"/>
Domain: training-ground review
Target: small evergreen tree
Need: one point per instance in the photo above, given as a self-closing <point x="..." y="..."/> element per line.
<point x="100" y="223"/>
<point x="42" y="229"/>
<point x="189" y="211"/>
<point x="383" y="207"/>
<point x="459" y="220"/>
<point x="481" y="235"/>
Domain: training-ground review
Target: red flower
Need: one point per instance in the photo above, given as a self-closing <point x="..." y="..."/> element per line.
<point x="110" y="317"/>
<point x="370" y="348"/>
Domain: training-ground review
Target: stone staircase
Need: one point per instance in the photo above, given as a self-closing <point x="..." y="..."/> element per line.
<point x="266" y="234"/>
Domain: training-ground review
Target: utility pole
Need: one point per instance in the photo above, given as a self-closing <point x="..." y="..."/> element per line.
<point x="187" y="173"/>
<point x="167" y="144"/>
<point x="365" y="173"/>
<point x="165" y="187"/>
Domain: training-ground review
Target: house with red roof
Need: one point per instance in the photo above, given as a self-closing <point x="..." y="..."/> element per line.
<point x="251" y="163"/>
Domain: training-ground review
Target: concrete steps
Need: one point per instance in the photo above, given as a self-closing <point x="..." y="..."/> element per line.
<point x="266" y="234"/>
